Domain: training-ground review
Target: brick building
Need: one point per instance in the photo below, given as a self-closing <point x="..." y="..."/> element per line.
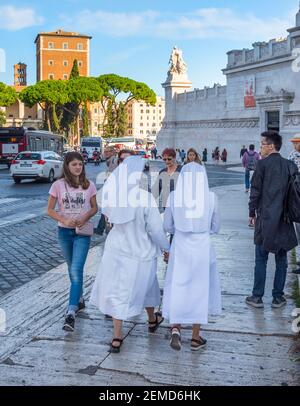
<point x="56" y="52"/>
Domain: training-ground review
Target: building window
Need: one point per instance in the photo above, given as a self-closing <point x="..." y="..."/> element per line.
<point x="159" y="111"/>
<point x="51" y="76"/>
<point x="153" y="132"/>
<point x="141" y="132"/>
<point x="147" y="111"/>
<point x="273" y="120"/>
<point x="141" y="124"/>
<point x="80" y="64"/>
<point x="141" y="105"/>
<point x="147" y="124"/>
<point x="153" y="124"/>
<point x="50" y="63"/>
<point x="65" y="63"/>
<point x="65" y="76"/>
<point x="148" y="132"/>
<point x="153" y="118"/>
<point x="159" y="105"/>
<point x="50" y="45"/>
<point x="95" y="111"/>
<point x="142" y="111"/>
<point x="80" y="47"/>
<point x="95" y="124"/>
<point x="141" y="118"/>
<point x="65" y="45"/>
<point x="160" y="117"/>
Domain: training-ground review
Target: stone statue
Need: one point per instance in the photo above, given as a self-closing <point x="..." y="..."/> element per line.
<point x="178" y="65"/>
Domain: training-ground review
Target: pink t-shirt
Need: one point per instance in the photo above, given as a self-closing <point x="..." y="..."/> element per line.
<point x="72" y="202"/>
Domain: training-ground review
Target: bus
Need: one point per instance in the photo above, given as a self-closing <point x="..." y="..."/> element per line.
<point x="125" y="142"/>
<point x="18" y="139"/>
<point x="90" y="144"/>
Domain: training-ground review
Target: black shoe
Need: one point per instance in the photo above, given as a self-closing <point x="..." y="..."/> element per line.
<point x="107" y="316"/>
<point x="81" y="306"/>
<point x="278" y="302"/>
<point x="296" y="271"/>
<point x="255" y="301"/>
<point x="69" y="323"/>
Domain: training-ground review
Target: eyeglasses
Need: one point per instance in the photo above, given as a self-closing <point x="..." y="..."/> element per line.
<point x="168" y="159"/>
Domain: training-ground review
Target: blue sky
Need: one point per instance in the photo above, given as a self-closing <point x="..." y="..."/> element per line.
<point x="134" y="38"/>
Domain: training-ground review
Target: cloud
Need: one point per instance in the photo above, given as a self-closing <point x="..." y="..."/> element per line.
<point x="16" y="18"/>
<point x="217" y="23"/>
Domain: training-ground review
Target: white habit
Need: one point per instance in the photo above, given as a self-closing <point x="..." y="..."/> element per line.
<point x="126" y="281"/>
<point x="192" y="287"/>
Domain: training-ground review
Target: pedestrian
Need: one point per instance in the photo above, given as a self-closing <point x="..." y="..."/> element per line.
<point x="295" y="157"/>
<point x="126" y="281"/>
<point x="85" y="155"/>
<point x="266" y="212"/>
<point x="224" y="155"/>
<point x="111" y="160"/>
<point x="154" y="152"/>
<point x="75" y="197"/>
<point x="193" y="156"/>
<point x="243" y="150"/>
<point x="204" y="155"/>
<point x="192" y="287"/>
<point x="250" y="158"/>
<point x="96" y="157"/>
<point x="182" y="155"/>
<point x="217" y="155"/>
<point x="167" y="178"/>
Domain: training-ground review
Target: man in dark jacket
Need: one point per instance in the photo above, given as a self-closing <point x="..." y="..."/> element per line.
<point x="266" y="209"/>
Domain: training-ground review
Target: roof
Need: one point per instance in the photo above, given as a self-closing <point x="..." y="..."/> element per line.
<point x="62" y="33"/>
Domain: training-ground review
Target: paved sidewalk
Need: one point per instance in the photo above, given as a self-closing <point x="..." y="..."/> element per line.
<point x="245" y="346"/>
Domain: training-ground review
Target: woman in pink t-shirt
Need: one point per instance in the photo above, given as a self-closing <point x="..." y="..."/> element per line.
<point x="75" y="197"/>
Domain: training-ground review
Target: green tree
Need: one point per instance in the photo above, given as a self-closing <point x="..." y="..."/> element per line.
<point x="85" y="120"/>
<point x="8" y="95"/>
<point x="2" y="118"/>
<point x="75" y="70"/>
<point x="48" y="94"/>
<point x="80" y="91"/>
<point x="114" y="86"/>
<point x="109" y="126"/>
<point x="121" y="120"/>
<point x="69" y="110"/>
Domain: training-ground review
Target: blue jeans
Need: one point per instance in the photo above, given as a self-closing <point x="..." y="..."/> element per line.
<point x="75" y="249"/>
<point x="247" y="178"/>
<point x="261" y="260"/>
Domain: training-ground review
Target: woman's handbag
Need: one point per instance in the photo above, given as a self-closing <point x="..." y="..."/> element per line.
<point x="87" y="229"/>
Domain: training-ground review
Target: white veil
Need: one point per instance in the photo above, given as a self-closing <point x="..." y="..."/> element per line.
<point x="120" y="193"/>
<point x="190" y="200"/>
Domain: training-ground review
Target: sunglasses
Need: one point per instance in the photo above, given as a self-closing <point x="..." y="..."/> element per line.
<point x="168" y="159"/>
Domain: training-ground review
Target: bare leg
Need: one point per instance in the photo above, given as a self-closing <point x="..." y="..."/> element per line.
<point x="151" y="314"/>
<point x="117" y="331"/>
<point x="196" y="332"/>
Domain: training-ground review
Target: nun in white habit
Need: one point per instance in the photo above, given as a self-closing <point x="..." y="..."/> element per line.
<point x="192" y="288"/>
<point x="126" y="281"/>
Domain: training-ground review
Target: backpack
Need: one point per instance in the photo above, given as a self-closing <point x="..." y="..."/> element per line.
<point x="251" y="162"/>
<point x="292" y="199"/>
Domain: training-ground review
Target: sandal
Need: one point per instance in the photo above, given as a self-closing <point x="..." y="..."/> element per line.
<point x="175" y="341"/>
<point x="153" y="325"/>
<point x="197" y="344"/>
<point x="116" y="348"/>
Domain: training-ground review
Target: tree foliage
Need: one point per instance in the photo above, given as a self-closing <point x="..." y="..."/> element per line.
<point x="8" y="95"/>
<point x="2" y="118"/>
<point x="114" y="86"/>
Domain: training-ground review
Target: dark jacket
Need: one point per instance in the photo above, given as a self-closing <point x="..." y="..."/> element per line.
<point x="268" y="188"/>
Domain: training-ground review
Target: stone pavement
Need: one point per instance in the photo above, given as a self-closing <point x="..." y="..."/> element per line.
<point x="245" y="346"/>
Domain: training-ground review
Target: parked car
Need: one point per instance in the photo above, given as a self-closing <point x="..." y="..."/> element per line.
<point x="36" y="165"/>
<point x="142" y="153"/>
